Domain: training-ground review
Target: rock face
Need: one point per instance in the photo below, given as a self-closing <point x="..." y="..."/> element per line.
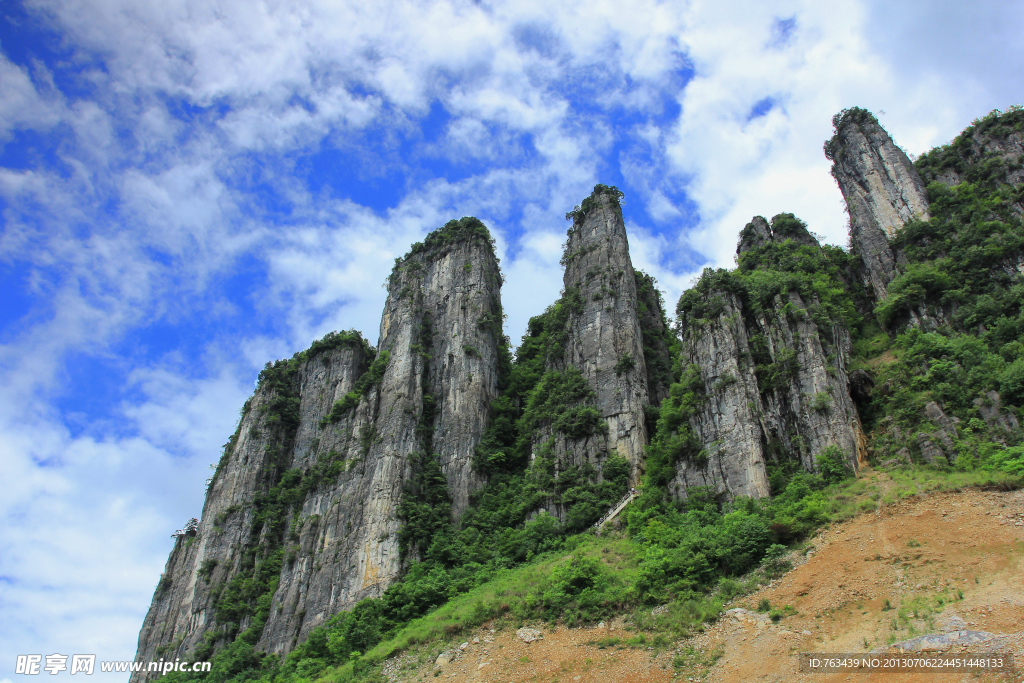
<point x="604" y="339"/>
<point x="433" y="398"/>
<point x="996" y="418"/>
<point x="308" y="492"/>
<point x="446" y="302"/>
<point x="774" y="384"/>
<point x="882" y="189"/>
<point x="971" y="155"/>
<point x="272" y="437"/>
<point x="655" y="338"/>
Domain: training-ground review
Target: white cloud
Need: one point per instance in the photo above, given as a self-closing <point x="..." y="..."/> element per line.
<point x="837" y="55"/>
<point x="86" y="529"/>
<point x="180" y="161"/>
<point x="533" y="278"/>
<point x="22" y="103"/>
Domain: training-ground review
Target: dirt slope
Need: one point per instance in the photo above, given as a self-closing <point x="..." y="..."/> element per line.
<point x="942" y="563"/>
<point x="955" y="560"/>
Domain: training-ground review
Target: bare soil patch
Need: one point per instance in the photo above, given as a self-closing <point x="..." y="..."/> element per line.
<point x="924" y="565"/>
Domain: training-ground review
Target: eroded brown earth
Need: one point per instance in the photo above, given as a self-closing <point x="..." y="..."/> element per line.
<point x="942" y="563"/>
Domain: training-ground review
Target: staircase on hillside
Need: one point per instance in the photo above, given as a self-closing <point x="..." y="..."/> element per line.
<point x="615" y="509"/>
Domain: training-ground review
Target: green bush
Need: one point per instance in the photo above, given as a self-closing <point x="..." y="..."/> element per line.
<point x="1011" y="382"/>
<point x="833" y="465"/>
<point x="1009" y="460"/>
<point x="625" y="364"/>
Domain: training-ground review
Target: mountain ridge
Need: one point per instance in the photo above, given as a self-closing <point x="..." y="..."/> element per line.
<point x="372" y="484"/>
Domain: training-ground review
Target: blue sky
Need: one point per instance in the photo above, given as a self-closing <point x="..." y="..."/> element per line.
<point x="189" y="189"/>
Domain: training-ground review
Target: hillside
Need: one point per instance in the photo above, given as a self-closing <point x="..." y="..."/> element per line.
<point x="907" y="569"/>
<point x="379" y="499"/>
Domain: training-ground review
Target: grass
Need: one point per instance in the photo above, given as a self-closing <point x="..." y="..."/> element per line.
<point x="916" y="615"/>
<point x="694" y="664"/>
<point x="510" y="599"/>
<point x="922" y="479"/>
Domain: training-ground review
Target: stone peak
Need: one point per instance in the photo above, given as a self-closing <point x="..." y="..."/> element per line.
<point x="601" y="193"/>
<point x="452" y="233"/>
<point x="842" y="122"/>
<point x="784" y="226"/>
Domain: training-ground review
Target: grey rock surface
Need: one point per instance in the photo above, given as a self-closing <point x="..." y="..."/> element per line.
<point x="931" y="449"/>
<point x="529" y="635"/>
<point x="939" y="642"/>
<point x="743" y="423"/>
<point x="459" y="295"/>
<point x="604" y="341"/>
<point x="992" y="412"/>
<point x="947" y="430"/>
<point x="883" y="192"/>
<point x="950" y="622"/>
<point x="440" y="328"/>
<point x="181" y="615"/>
<point x="755" y="234"/>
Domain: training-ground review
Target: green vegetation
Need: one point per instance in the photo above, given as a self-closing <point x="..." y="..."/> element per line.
<point x="966" y="158"/>
<point x="506" y="563"/>
<point x="768" y="274"/>
<point x="962" y="261"/>
<point x="363" y="385"/>
<point x="579" y="212"/>
<point x="661" y="347"/>
<point x="694" y="560"/>
<point x="961" y="279"/>
<point x="674" y="439"/>
<point x="455" y="231"/>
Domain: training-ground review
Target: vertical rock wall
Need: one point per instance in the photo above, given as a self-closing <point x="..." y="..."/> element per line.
<point x="882" y="189"/>
<point x="728" y="427"/>
<point x="328" y="445"/>
<point x="452" y="292"/>
<point x="200" y="566"/>
<point x="438" y="331"/>
<point x="605" y="342"/>
<point x="774" y="385"/>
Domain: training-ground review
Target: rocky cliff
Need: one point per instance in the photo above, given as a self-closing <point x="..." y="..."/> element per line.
<point x="960" y="274"/>
<point x="437" y="454"/>
<point x="911" y="250"/>
<point x="303" y="516"/>
<point x="991" y="150"/>
<point x="604" y="339"/>
<point x="765" y="380"/>
<point x="239" y="535"/>
<point x="882" y="189"/>
<point x="570" y="428"/>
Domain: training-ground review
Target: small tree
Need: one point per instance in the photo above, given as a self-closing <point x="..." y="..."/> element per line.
<point x="832" y="465"/>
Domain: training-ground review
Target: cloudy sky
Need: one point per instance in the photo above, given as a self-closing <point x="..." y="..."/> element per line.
<point x="190" y="188"/>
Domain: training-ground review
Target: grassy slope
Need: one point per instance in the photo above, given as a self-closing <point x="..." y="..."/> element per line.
<point x="511" y="599"/>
